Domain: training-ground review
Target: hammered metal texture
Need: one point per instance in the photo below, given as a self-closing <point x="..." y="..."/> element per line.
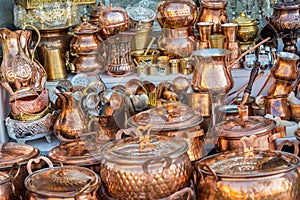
<point x="134" y="183"/>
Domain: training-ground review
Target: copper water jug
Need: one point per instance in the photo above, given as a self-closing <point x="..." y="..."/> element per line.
<point x="70" y="123"/>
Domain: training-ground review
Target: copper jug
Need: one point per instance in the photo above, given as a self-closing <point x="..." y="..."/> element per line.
<point x="286" y="66"/>
<point x="211" y="72"/>
<point x="24" y="76"/>
<point x="213" y="11"/>
<point x="70" y="123"/>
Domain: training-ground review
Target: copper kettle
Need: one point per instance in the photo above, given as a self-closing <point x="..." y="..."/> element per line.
<point x="71" y="122"/>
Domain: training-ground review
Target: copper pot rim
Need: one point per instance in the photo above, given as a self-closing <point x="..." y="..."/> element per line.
<point x="214" y="4"/>
<point x="235" y="153"/>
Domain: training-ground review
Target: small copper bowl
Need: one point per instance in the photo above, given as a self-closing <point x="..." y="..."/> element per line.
<point x="30" y="106"/>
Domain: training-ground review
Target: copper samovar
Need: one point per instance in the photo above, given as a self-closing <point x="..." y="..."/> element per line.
<point x="286" y="20"/>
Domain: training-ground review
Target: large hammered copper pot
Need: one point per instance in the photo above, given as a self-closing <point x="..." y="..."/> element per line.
<point x="176" y="13"/>
<point x="232" y="130"/>
<point x="64" y="183"/>
<point x="174" y="120"/>
<point x="258" y="174"/>
<point x="6" y="187"/>
<point x="11" y="153"/>
<point x="148" y="167"/>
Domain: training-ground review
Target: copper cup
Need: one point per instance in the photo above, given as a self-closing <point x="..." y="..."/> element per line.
<point x="217" y="41"/>
<point x="230" y="31"/>
<point x="54" y="64"/>
<point x="205" y="30"/>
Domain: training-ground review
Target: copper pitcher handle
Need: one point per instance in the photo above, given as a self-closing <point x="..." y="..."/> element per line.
<point x="38" y="41"/>
<point x="289" y="143"/>
<point x="162" y="159"/>
<point x="38" y="160"/>
<point x="181" y="193"/>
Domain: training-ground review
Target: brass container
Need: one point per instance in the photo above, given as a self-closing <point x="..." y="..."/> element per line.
<point x="254" y="174"/>
<point x="148" y="167"/>
<point x="176" y="14"/>
<point x="20" y="154"/>
<point x="176" y="121"/>
<point x="286" y="66"/>
<point x="112" y="21"/>
<point x="59" y="38"/>
<point x="65" y="182"/>
<point x="211" y="72"/>
<point x="247" y="28"/>
<point x="232" y="130"/>
<point x="214" y="11"/>
<point x="217" y="41"/>
<point x="54" y="64"/>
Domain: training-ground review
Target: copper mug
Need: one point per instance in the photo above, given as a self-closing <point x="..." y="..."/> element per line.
<point x="205" y="30"/>
<point x="217" y="41"/>
<point x="278" y="107"/>
<point x="54" y="64"/>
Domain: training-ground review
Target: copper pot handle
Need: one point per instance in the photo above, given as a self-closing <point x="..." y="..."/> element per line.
<point x="280" y="132"/>
<point x="86" y="187"/>
<point x="162" y="159"/>
<point x="131" y="132"/>
<point x="15" y="165"/>
<point x="200" y="166"/>
<point x="38" y="160"/>
<point x="181" y="193"/>
<point x="296" y="147"/>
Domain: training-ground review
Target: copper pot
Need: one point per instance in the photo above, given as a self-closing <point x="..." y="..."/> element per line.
<point x="6" y="187"/>
<point x="176" y="121"/>
<point x="253" y="174"/>
<point x="214" y="11"/>
<point x="67" y="182"/>
<point x="20" y="154"/>
<point x="113" y="20"/>
<point x="84" y="153"/>
<point x="232" y="130"/>
<point x="88" y="63"/>
<point x="176" y="13"/>
<point x="148" y="167"/>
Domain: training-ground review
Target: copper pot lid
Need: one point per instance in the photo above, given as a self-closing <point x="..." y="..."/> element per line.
<point x="236" y="128"/>
<point x="142" y="14"/>
<point x="85" y="27"/>
<point x="134" y="151"/>
<point x="112" y="16"/>
<point x="243" y="20"/>
<point x="67" y="181"/>
<point x="260" y="163"/>
<point x="214" y="4"/>
<point x="171" y="117"/>
<point x="77" y="153"/>
<point x="287" y="5"/>
<point x="11" y="152"/>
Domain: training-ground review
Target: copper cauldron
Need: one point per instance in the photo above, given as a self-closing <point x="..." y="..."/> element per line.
<point x="176" y="121"/>
<point x="67" y="182"/>
<point x="252" y="174"/>
<point x="15" y="153"/>
<point x="148" y="167"/>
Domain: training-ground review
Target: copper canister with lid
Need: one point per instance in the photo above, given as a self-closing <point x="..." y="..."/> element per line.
<point x="248" y="174"/>
<point x="145" y="167"/>
<point x="176" y="120"/>
<point x="11" y="153"/>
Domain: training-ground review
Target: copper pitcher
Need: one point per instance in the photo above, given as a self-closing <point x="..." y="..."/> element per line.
<point x="211" y="72"/>
<point x="71" y="122"/>
<point x="24" y="76"/>
<point x="214" y="11"/>
<point x="286" y="66"/>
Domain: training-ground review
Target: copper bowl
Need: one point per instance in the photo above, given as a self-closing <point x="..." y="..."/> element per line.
<point x="29" y="105"/>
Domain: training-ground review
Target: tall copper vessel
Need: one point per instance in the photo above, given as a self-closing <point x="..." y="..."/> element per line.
<point x="213" y="11"/>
